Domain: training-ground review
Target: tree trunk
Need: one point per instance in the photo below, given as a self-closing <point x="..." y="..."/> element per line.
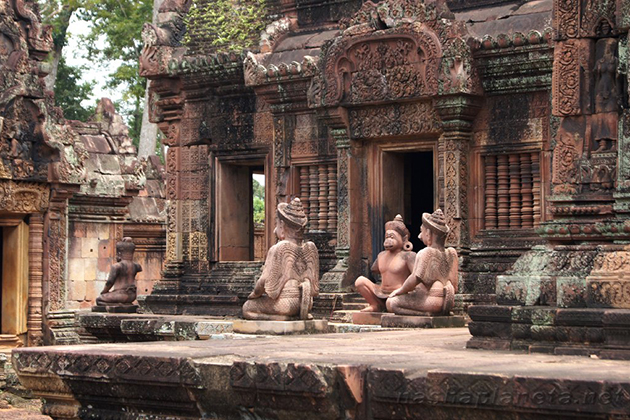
<point x="50" y="79"/>
<point x="61" y="19"/>
<point x="148" y="131"/>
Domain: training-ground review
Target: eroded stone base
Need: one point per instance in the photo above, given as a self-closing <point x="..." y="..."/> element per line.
<point x="409" y="321"/>
<point x="280" y="327"/>
<point x="116" y="308"/>
<point x="367" y="318"/>
<point x="544" y="329"/>
<point x="333" y="376"/>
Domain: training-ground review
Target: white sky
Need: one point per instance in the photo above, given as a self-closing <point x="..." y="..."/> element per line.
<point x="73" y="53"/>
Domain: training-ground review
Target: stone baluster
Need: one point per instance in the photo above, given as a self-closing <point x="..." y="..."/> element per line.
<point x="536" y="187"/>
<point x="304" y="189"/>
<point x="323" y="197"/>
<point x="35" y="281"/>
<point x="503" y="192"/>
<point x="313" y="215"/>
<point x="515" y="191"/>
<point x="491" y="192"/>
<point x="527" y="191"/>
<point x="332" y="197"/>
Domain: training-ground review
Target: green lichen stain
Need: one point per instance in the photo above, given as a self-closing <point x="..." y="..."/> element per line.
<point x="227" y="25"/>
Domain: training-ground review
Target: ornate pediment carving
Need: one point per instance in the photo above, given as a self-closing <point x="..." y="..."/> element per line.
<point x="23" y="197"/>
<point x="395" y="50"/>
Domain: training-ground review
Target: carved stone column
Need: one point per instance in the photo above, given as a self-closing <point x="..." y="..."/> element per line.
<point x="457" y="113"/>
<point x="335" y="279"/>
<point x="36" y="276"/>
<point x="59" y="321"/>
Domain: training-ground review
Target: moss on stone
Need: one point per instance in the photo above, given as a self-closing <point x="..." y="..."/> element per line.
<point x="226" y="25"/>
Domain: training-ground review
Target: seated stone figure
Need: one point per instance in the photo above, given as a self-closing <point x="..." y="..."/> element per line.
<point x="430" y="289"/>
<point x="394" y="265"/>
<point x="122" y="276"/>
<point x="290" y="276"/>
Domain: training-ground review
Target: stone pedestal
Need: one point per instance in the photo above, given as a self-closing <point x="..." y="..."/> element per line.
<point x="116" y="308"/>
<point x="367" y="318"/>
<point x="280" y="327"/>
<point x="410" y="321"/>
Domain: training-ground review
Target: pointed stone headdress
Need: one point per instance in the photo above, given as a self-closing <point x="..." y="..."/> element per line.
<point x="293" y="213"/>
<point x="436" y="221"/>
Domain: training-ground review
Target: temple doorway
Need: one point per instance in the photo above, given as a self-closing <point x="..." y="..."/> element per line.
<point x="241" y="229"/>
<point x="407" y="188"/>
<point x="14" y="278"/>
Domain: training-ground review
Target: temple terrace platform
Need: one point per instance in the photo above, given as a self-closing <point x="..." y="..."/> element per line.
<point x="405" y="374"/>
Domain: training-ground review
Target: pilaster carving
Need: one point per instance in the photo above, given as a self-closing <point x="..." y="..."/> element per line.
<point x="567" y="83"/>
<point x="35" y="281"/>
<point x="457" y="113"/>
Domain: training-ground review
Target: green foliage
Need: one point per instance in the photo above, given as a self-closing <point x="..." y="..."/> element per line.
<point x="115" y="35"/>
<point x="116" y="28"/>
<point x="228" y="25"/>
<point x="259" y="203"/>
<point x="69" y="92"/>
<point x="57" y="13"/>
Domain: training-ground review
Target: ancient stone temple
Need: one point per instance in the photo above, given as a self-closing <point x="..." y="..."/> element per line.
<point x="68" y="191"/>
<point x="363" y="111"/>
<point x="41" y="166"/>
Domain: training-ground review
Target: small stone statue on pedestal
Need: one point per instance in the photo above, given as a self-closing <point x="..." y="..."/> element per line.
<point x="394" y="265"/>
<point x="122" y="276"/>
<point x="431" y="288"/>
<point x="290" y="277"/>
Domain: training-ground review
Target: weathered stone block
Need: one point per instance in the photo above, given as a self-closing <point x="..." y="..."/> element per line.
<point x="497" y="313"/>
<point x="75" y="268"/>
<point x="608" y="292"/>
<point x="526" y="290"/>
<point x="89" y="248"/>
<point x="77" y="290"/>
<point x="490" y="329"/>
<point x="89" y="270"/>
<point x="571" y="292"/>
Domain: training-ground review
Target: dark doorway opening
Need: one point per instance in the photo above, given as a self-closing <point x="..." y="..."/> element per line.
<point x="419" y="193"/>
<point x="408" y="190"/>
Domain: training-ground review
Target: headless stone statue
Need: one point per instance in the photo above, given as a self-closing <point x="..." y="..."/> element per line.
<point x="290" y="277"/>
<point x="431" y="288"/>
<point x="394" y="265"/>
<point x="122" y="276"/>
